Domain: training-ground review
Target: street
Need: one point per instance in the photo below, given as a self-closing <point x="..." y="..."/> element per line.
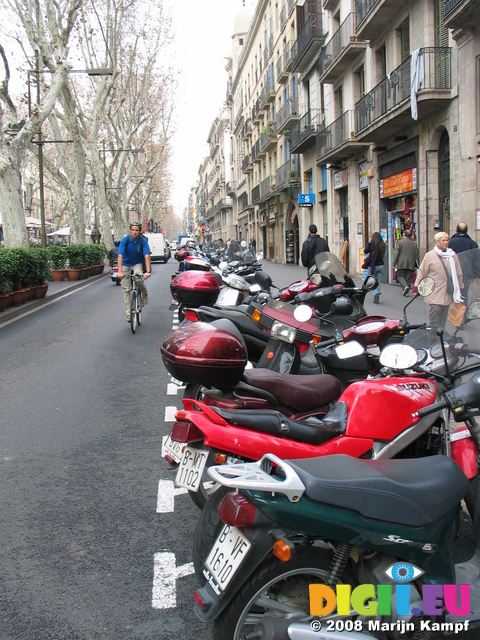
<point x="96" y="543"/>
<point x="83" y="407"/>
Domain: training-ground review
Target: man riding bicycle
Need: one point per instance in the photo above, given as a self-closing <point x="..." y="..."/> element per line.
<point x="132" y="251"/>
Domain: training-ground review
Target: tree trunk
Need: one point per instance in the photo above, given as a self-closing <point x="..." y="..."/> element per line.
<point x="14" y="229"/>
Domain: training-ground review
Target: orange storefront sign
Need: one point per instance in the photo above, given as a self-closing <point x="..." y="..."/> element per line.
<point x="399" y="183"/>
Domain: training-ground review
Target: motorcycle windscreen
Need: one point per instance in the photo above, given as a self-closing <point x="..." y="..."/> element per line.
<point x="280" y="356"/>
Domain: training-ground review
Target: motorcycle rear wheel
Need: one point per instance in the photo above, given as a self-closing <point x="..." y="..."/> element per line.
<point x="285" y="584"/>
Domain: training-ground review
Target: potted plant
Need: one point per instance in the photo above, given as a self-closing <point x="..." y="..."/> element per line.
<point x="76" y="256"/>
<point x="40" y="270"/>
<point x="57" y="256"/>
<point x="17" y="258"/>
<point x="6" y="293"/>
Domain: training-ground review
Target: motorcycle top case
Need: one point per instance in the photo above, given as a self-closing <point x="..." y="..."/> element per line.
<point x="195" y="288"/>
<point x="200" y="353"/>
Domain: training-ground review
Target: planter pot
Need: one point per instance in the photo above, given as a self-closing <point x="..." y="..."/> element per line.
<point x="18" y="297"/>
<point x="9" y="295"/>
<point x="4" y="298"/>
<point x="73" y="274"/>
<point x="41" y="291"/>
<point x="83" y="273"/>
<point x="58" y="275"/>
<point x="29" y="293"/>
<point x="101" y="267"/>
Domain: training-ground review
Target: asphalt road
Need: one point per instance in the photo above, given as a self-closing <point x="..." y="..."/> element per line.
<point x="83" y="415"/>
<point x="95" y="541"/>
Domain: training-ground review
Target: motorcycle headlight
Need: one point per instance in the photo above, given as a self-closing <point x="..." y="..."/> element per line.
<point x="236" y="283"/>
<point x="283" y="332"/>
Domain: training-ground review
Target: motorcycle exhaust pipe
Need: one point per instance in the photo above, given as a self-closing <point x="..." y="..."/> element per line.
<point x="283" y="629"/>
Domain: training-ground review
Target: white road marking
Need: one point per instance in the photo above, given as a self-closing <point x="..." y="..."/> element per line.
<point x="166" y="495"/>
<point x="165" y="574"/>
<point x="170" y="413"/>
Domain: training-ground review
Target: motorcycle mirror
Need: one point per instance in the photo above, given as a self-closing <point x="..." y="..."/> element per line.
<point x="350" y="349"/>
<point x="302" y="313"/>
<point x="255" y="288"/>
<point x="263" y="279"/>
<point x="243" y="244"/>
<point x="398" y="356"/>
<point x="223" y="265"/>
<point x="426" y="286"/>
<point x="316" y="278"/>
<point x="473" y="310"/>
<point x="370" y="283"/>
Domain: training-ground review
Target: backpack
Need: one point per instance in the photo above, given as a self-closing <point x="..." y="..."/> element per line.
<point x="144" y="266"/>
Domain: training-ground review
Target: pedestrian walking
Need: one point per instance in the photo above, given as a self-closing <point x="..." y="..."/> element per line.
<point x="254" y="246"/>
<point x="441" y="264"/>
<point x="405" y="257"/>
<point x="375" y="250"/>
<point x="470" y="263"/>
<point x="313" y="245"/>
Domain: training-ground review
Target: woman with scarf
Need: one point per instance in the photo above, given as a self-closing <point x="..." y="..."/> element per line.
<point x="375" y="251"/>
<point x="441" y="264"/>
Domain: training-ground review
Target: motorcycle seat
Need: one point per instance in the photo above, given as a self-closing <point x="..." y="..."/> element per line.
<point x="313" y="430"/>
<point x="299" y="392"/>
<point x="413" y="492"/>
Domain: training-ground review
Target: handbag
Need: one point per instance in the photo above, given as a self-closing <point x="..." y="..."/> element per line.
<point x="456" y="313"/>
<point x="366" y="263"/>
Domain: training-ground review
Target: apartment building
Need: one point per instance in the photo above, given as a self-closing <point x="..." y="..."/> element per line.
<point x="358" y="115"/>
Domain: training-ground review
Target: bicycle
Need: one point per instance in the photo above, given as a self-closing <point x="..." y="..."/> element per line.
<point x="136" y="302"/>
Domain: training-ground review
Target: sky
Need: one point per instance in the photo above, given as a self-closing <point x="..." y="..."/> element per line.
<point x="203" y="37"/>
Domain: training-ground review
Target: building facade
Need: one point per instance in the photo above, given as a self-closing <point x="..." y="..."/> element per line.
<point x="357" y="115"/>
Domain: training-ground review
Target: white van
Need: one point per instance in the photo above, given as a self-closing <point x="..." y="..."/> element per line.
<point x="158" y="247"/>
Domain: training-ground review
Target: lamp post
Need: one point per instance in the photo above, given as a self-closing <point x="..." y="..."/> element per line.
<point x="37" y="71"/>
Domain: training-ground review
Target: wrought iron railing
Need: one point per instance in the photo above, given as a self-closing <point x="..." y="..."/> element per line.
<point x="289" y="109"/>
<point x="289" y="171"/>
<point x="362" y="9"/>
<point x="434" y="72"/>
<point x="337" y="43"/>
<point x="256" y="194"/>
<point x="310" y="123"/>
<point x="313" y="29"/>
<point x="266" y="187"/>
<point x="450" y="5"/>
<point x="267" y="136"/>
<point x="335" y="134"/>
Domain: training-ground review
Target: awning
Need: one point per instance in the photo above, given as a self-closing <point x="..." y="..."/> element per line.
<point x="60" y="232"/>
<point x="32" y="222"/>
<point x="262" y="224"/>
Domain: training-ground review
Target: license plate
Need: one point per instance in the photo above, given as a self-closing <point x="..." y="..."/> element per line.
<point x="228" y="553"/>
<point x="228" y="297"/>
<point x="190" y="471"/>
<point x="173" y="449"/>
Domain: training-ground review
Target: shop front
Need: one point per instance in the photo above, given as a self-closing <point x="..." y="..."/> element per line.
<point x="399" y="194"/>
<point x="398" y="173"/>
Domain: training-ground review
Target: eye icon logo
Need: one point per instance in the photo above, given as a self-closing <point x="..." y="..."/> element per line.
<point x="403" y="572"/>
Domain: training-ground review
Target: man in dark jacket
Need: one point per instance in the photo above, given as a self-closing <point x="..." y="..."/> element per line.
<point x="313" y="245"/>
<point x="470" y="263"/>
<point x="406" y="254"/>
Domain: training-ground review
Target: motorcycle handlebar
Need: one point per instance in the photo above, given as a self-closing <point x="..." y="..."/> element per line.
<point x="425" y="411"/>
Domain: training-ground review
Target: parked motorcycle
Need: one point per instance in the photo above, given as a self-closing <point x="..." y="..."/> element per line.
<point x="302" y="537"/>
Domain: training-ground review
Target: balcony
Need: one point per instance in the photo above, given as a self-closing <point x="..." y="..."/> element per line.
<point x="268" y="139"/>
<point x="340" y="51"/>
<point x="304" y="132"/>
<point x="307" y="46"/>
<point x="256" y="194"/>
<point x="337" y="141"/>
<point x="255" y="150"/>
<point x="247" y="164"/>
<point x="461" y="14"/>
<point x="268" y="92"/>
<point x="267" y="187"/>
<point x="247" y="129"/>
<point x="371" y="17"/>
<point x="288" y="114"/>
<point x="328" y="5"/>
<point x="257" y="113"/>
<point x="288" y="175"/>
<point x="284" y="64"/>
<point x="283" y="17"/>
<point x="386" y="110"/>
<point x="230" y="188"/>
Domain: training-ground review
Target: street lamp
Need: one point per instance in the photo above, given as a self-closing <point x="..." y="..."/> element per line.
<point x="91" y="72"/>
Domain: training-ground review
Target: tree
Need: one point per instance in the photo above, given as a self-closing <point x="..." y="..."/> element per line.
<point x="48" y="26"/>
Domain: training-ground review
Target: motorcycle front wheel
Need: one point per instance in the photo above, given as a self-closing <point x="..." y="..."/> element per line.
<point x="275" y="589"/>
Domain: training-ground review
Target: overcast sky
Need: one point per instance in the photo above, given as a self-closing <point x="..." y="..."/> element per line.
<point x="203" y="36"/>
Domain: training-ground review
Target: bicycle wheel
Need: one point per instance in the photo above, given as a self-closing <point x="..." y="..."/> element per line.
<point x="139" y="308"/>
<point x="133" y="310"/>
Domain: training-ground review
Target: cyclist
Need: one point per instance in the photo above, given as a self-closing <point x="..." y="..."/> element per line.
<point x="132" y="252"/>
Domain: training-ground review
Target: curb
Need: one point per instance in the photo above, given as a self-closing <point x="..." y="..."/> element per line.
<point x="67" y="287"/>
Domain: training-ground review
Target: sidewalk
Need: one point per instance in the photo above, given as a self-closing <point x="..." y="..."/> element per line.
<point x="55" y="290"/>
